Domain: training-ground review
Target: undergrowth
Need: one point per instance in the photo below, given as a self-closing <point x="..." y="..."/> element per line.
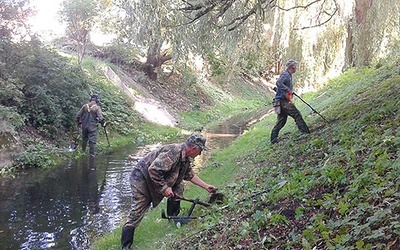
<point x="342" y="189"/>
<point x="336" y="188"/>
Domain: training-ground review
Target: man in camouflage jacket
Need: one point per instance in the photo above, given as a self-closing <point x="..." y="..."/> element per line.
<point x="160" y="174"/>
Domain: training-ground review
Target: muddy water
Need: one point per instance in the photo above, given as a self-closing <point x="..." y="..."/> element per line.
<point x="67" y="206"/>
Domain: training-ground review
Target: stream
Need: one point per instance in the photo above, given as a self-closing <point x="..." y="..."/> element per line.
<point x="68" y="205"/>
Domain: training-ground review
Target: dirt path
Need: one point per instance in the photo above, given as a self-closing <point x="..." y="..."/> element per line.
<point x="147" y="106"/>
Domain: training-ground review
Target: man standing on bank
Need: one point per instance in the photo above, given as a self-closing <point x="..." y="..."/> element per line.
<point x="89" y="116"/>
<point x="283" y="102"/>
<point x="160" y="174"/>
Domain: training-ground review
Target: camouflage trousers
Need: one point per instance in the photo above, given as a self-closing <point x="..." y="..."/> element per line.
<point x="288" y="109"/>
<point x="142" y="199"/>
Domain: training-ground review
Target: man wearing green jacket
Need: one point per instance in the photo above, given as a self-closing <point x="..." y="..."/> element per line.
<point x="161" y="174"/>
<point x="88" y="117"/>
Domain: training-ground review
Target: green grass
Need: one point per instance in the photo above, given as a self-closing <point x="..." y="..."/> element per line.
<point x="342" y="189"/>
<point x="216" y="115"/>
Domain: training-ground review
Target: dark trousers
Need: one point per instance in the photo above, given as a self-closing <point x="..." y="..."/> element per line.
<point x="91" y="137"/>
<point x="288" y="109"/>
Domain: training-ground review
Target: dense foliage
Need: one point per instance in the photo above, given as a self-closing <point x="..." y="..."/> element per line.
<point x="43" y="86"/>
<point x="341" y="182"/>
<point x="336" y="188"/>
<point x="41" y="93"/>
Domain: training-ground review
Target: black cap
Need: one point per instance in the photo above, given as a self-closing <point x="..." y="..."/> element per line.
<point x="95" y="97"/>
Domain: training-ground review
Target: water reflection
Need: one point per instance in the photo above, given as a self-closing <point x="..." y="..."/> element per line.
<point x="65" y="207"/>
<point x="112" y="201"/>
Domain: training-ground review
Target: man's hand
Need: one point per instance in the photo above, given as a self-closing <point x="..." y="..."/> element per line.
<point x="103" y="123"/>
<point x="289" y="96"/>
<point x="199" y="182"/>
<point x="168" y="192"/>
<point x="211" y="189"/>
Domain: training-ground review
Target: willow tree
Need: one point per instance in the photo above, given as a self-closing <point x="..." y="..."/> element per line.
<point x="246" y="35"/>
<point x="146" y="26"/>
<point x="369" y="28"/>
<point x="161" y="29"/>
<point x="80" y="18"/>
<point x="228" y="33"/>
<point x="375" y="32"/>
<point x="260" y="9"/>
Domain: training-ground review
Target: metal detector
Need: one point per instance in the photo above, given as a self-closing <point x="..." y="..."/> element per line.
<point x="188" y="218"/>
<point x="275" y="89"/>
<point x="105" y="131"/>
<point x="310" y="106"/>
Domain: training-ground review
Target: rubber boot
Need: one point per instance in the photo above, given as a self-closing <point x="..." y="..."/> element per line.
<point x="304" y="129"/>
<point x="127" y="237"/>
<point x="173" y="207"/>
<point x="84" y="144"/>
<point x="274" y="136"/>
<point x="92" y="149"/>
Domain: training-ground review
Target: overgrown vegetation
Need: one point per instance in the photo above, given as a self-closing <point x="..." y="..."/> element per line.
<point x="41" y="94"/>
<point x="43" y="90"/>
<point x="341" y="182"/>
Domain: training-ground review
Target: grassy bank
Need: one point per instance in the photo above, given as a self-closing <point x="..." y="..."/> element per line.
<point x="341" y="182"/>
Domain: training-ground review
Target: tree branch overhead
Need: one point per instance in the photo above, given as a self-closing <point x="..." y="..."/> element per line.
<point x="222" y="11"/>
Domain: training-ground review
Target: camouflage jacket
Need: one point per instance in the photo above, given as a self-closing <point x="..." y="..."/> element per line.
<point x="90" y="115"/>
<point x="165" y="167"/>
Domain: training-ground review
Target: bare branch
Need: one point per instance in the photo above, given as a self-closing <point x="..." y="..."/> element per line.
<point x="322" y="11"/>
<point x="199" y="14"/>
<point x="299" y="6"/>
<point x="225" y="7"/>
<point x="320" y="24"/>
<point x="240" y="20"/>
<point x="261" y="6"/>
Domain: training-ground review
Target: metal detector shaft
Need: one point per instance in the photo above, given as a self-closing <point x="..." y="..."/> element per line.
<point x="108" y="141"/>
<point x="310" y="107"/>
<point x="193" y="201"/>
<point x="277" y="186"/>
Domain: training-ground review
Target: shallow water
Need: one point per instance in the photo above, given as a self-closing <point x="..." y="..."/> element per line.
<point x="64" y="207"/>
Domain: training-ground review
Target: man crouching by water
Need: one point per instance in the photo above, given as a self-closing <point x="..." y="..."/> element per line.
<point x="160" y="174"/>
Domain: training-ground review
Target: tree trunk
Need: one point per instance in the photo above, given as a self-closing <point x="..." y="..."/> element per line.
<point x="154" y="60"/>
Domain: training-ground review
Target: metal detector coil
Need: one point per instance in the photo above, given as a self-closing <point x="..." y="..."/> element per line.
<point x="188" y="218"/>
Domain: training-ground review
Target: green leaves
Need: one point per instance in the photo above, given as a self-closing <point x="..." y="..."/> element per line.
<point x="343" y="181"/>
<point x="343" y="207"/>
<point x="35" y="156"/>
